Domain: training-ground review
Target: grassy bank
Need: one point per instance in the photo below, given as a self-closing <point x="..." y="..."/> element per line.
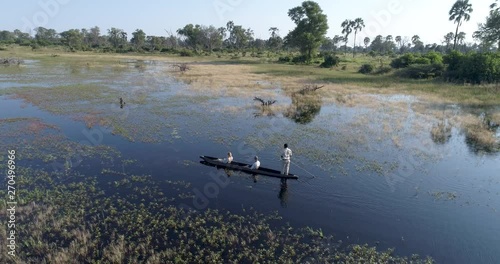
<point x="346" y="74"/>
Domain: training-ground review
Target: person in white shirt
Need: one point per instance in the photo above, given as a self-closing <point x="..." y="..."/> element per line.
<point x="256" y="164"/>
<point x="287" y="154"/>
<point x="229" y="158"/>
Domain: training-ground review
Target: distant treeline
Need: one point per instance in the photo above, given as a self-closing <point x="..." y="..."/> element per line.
<point x="199" y="39"/>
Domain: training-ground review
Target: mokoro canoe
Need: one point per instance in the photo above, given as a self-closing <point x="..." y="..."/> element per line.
<point x="234" y="165"/>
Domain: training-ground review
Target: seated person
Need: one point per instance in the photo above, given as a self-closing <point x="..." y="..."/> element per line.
<point x="256" y="164"/>
<point x="229" y="158"/>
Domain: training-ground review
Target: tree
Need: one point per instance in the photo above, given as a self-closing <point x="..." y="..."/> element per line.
<point x="46" y="36"/>
<point x="417" y="44"/>
<point x="378" y="44"/>
<point x="448" y="38"/>
<point x="21" y="37"/>
<point x="193" y="35"/>
<point x="389" y="44"/>
<point x="366" y="41"/>
<point x="211" y="38"/>
<point x="275" y="42"/>
<point x="94" y="37"/>
<point x="358" y="24"/>
<point x="311" y="27"/>
<point x="461" y="38"/>
<point x="459" y="12"/>
<point x="115" y="37"/>
<point x="7" y="36"/>
<point x="337" y="39"/>
<point x="489" y="32"/>
<point x="72" y="38"/>
<point x="347" y="26"/>
<point x="239" y="38"/>
<point x="398" y="40"/>
<point x="138" y="39"/>
<point x="154" y="43"/>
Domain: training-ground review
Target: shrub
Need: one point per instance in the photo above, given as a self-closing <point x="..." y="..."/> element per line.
<point x="285" y="59"/>
<point x="403" y="61"/>
<point x="382" y="70"/>
<point x="475" y="68"/>
<point x="434" y="57"/>
<point x="330" y="61"/>
<point x="366" y="68"/>
<point x="422" y="60"/>
<point x="422" y="71"/>
<point x="300" y="59"/>
<point x="186" y="53"/>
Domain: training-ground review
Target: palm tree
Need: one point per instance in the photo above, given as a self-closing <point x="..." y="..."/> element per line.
<point x="459" y="12"/>
<point x="358" y="24"/>
<point x="347" y="29"/>
<point x="415" y="39"/>
<point x="398" y="40"/>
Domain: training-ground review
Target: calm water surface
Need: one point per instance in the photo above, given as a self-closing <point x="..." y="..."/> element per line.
<point x="356" y="183"/>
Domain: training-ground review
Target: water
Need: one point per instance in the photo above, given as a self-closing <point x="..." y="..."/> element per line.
<point x="368" y="175"/>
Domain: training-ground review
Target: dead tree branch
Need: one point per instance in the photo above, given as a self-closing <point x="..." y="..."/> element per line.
<point x="310" y="88"/>
<point x="263" y="102"/>
<point x="183" y="67"/>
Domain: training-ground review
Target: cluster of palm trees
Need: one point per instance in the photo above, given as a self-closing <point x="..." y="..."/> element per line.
<point x="459" y="13"/>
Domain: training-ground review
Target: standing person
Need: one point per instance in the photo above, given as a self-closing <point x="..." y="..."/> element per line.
<point x="287" y="154"/>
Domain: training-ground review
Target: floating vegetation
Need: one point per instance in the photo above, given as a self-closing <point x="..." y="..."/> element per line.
<point x="446" y="196"/>
<point x="441" y="132"/>
<point x="83" y="221"/>
<point x="10" y="61"/>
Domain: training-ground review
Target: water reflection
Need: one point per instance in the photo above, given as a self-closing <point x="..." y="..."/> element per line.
<point x="264" y="111"/>
<point x="482" y="138"/>
<point x="304" y="108"/>
<point x="441" y="132"/>
<point x="283" y="194"/>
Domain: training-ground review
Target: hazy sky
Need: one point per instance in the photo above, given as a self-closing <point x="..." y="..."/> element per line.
<point x="427" y="18"/>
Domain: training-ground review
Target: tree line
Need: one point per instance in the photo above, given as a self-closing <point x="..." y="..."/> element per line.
<point x="308" y="37"/>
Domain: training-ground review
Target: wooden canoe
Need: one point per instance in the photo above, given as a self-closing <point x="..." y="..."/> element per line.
<point x="234" y="165"/>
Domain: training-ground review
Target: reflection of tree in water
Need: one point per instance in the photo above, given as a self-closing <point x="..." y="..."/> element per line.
<point x="482" y="138"/>
<point x="264" y="111"/>
<point x="441" y="132"/>
<point x="265" y="108"/>
<point x="304" y="108"/>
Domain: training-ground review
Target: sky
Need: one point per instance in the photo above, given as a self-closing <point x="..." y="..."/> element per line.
<point x="426" y="18"/>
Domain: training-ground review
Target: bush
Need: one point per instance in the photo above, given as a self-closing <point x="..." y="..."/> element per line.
<point x="300" y="59"/>
<point x="422" y="60"/>
<point x="366" y="68"/>
<point x="434" y="57"/>
<point x="422" y="71"/>
<point x="285" y="59"/>
<point x="330" y="61"/>
<point x="186" y="53"/>
<point x="403" y="61"/>
<point x="382" y="70"/>
<point x="475" y="68"/>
